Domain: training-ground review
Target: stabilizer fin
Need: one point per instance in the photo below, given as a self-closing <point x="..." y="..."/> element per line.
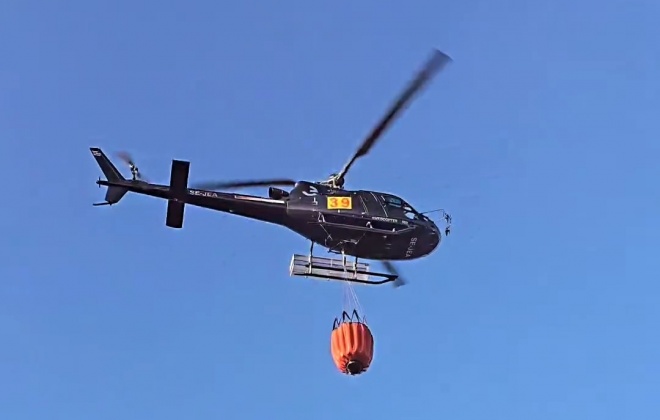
<point x="114" y="193"/>
<point x="178" y="193"/>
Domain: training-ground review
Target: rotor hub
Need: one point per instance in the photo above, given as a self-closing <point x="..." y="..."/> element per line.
<point x="334" y="181"/>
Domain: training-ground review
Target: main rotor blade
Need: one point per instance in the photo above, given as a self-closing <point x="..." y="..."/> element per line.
<point x="241" y="184"/>
<point x="392" y="270"/>
<point x="433" y="65"/>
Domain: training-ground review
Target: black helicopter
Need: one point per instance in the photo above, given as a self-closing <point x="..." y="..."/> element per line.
<point x="364" y="224"/>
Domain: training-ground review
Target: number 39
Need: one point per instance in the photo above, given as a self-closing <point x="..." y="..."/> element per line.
<point x="339" y="203"/>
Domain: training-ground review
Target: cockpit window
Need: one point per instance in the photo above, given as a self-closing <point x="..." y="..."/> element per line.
<point x="410" y="213"/>
<point x="393" y="201"/>
<point x="398" y="207"/>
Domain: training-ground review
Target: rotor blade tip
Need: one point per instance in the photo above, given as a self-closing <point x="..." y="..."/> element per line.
<point x="439" y="59"/>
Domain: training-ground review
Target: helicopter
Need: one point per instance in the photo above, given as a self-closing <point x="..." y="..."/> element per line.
<point x="363" y="224"/>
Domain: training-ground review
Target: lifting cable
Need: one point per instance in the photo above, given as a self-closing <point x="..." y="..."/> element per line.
<point x="350" y="299"/>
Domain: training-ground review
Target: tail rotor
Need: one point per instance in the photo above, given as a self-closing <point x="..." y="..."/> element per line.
<point x="128" y="160"/>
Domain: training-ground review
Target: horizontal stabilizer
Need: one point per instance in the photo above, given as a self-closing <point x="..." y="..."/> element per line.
<point x="174" y="214"/>
<point x="178" y="193"/>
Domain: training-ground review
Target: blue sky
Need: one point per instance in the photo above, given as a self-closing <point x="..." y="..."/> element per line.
<point x="540" y="138"/>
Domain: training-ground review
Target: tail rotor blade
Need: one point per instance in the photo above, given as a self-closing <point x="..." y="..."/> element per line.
<point x="127" y="159"/>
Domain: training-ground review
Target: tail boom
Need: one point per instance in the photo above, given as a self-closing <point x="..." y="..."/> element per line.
<point x="178" y="194"/>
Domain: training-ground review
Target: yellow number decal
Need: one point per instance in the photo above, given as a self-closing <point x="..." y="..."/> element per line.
<point x="340" y="203"/>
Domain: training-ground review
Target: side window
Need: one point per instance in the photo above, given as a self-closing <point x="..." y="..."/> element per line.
<point x="392" y="202"/>
<point x="359" y="204"/>
<point x="410" y="213"/>
<point x="393" y="205"/>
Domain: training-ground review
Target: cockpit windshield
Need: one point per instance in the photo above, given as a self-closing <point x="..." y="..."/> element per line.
<point x="393" y="201"/>
<point x="398" y="207"/>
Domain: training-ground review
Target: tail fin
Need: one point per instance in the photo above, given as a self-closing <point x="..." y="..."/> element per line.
<point x="115" y="192"/>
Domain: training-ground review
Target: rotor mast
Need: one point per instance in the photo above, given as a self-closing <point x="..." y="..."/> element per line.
<point x="334" y="182"/>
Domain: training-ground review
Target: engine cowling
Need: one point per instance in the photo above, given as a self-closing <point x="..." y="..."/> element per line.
<point x="277" y="194"/>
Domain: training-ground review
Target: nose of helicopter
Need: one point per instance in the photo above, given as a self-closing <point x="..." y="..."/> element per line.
<point x="433" y="239"/>
<point x="430" y="241"/>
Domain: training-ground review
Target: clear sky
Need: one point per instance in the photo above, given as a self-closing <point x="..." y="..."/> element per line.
<point x="540" y="138"/>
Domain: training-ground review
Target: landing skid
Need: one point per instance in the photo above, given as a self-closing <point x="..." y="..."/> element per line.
<point x="336" y="269"/>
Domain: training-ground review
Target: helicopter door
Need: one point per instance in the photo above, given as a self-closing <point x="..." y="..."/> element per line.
<point x="373" y="204"/>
